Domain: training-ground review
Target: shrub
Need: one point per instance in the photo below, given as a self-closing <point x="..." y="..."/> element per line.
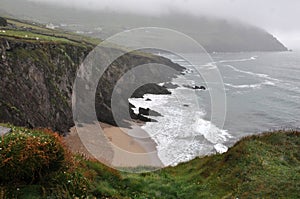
<point x="3" y="22"/>
<point x="30" y="156"/>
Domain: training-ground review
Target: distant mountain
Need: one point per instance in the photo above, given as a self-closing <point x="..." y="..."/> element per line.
<point x="215" y="35"/>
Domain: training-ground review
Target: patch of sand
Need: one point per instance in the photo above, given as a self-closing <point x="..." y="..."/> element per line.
<point x="123" y="147"/>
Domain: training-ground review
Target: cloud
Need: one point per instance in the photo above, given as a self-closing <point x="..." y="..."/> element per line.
<point x="274" y="14"/>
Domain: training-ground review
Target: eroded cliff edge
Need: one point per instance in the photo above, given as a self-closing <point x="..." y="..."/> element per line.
<point x="37" y="80"/>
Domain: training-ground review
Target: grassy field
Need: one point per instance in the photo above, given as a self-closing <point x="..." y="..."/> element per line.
<point x="38" y="32"/>
<point x="263" y="166"/>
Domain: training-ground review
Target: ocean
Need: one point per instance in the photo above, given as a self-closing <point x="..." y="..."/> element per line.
<point x="262" y="93"/>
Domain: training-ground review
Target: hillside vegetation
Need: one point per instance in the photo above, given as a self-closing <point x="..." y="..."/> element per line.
<point x="261" y="166"/>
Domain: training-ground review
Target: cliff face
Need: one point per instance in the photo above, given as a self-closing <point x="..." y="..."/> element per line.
<point x="37" y="81"/>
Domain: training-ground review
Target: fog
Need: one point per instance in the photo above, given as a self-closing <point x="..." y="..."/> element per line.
<point x="276" y="16"/>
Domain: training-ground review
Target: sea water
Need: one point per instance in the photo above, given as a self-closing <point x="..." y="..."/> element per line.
<point x="262" y="93"/>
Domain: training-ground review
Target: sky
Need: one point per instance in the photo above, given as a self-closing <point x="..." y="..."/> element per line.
<point x="279" y="17"/>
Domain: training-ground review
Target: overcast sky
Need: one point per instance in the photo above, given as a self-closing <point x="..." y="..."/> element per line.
<point x="280" y="17"/>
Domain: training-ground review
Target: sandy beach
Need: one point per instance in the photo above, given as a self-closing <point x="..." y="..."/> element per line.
<point x="128" y="147"/>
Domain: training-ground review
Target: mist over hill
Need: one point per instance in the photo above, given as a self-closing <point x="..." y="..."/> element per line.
<point x="215" y="35"/>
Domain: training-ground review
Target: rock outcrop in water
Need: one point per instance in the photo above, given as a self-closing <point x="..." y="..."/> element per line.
<point x="195" y="87"/>
<point x="37" y="80"/>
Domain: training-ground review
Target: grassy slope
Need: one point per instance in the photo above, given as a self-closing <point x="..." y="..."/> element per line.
<point x="265" y="166"/>
<point x="29" y="31"/>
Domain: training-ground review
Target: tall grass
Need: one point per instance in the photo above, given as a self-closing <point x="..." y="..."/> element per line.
<point x="264" y="166"/>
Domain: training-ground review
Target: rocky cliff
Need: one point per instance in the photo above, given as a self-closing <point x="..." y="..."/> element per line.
<point x="37" y="80"/>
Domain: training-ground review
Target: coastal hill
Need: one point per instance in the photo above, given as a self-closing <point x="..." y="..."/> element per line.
<point x="37" y="70"/>
<point x="38" y="67"/>
<point x="261" y="166"/>
<point x="215" y="35"/>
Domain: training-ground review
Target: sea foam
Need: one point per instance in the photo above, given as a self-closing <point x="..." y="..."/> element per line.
<point x="181" y="133"/>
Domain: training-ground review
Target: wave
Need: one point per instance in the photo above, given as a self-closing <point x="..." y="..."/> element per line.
<point x="179" y="60"/>
<point x="181" y="134"/>
<point x="209" y="66"/>
<point x="238" y="60"/>
<point x="282" y="84"/>
<point x="254" y="86"/>
<point x="210" y="132"/>
<point x="247" y="72"/>
<point x="213" y="65"/>
<point x="156" y="100"/>
<point x="261" y="75"/>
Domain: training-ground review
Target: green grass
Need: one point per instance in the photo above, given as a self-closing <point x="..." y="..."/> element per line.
<point x="29" y="31"/>
<point x="264" y="166"/>
<point x="28" y="35"/>
<point x="19" y="23"/>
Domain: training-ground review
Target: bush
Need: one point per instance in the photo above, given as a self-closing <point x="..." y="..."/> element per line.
<point x="3" y="22"/>
<point x="30" y="156"/>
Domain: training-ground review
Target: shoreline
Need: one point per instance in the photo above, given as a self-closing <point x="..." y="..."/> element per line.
<point x="131" y="147"/>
